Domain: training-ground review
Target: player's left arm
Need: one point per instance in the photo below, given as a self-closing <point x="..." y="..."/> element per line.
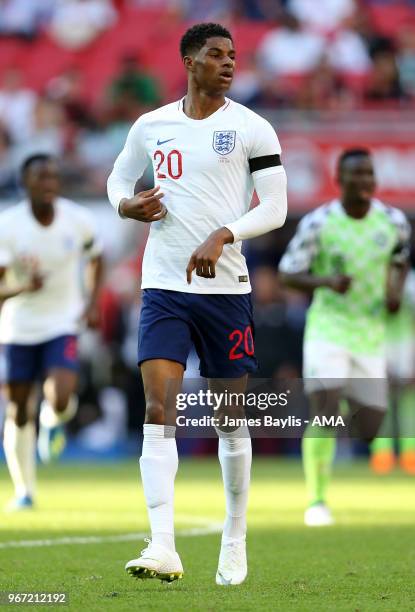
<point x="399" y="264"/>
<point x="94" y="274"/>
<point x="94" y="269"/>
<point x="270" y="182"/>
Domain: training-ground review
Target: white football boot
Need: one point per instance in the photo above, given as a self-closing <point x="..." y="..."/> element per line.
<point x="156" y="561"/>
<point x="318" y="515"/>
<point x="232" y="566"/>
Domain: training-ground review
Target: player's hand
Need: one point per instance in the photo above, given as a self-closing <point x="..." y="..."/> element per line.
<point x="35" y="282"/>
<point x="204" y="258"/>
<point x="340" y="283"/>
<point x="145" y="206"/>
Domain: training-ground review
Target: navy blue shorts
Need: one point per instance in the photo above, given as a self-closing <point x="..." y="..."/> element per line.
<point x="29" y="362"/>
<point x="219" y="326"/>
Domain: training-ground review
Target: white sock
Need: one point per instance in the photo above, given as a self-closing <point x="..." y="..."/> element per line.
<point x="50" y="418"/>
<point x="158" y="465"/>
<point x="235" y="457"/>
<point x="20" y="450"/>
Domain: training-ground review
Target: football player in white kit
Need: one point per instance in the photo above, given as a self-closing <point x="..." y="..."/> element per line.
<point x="43" y="240"/>
<point x="208" y="155"/>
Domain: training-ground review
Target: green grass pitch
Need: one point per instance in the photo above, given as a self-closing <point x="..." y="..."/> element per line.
<point x="365" y="562"/>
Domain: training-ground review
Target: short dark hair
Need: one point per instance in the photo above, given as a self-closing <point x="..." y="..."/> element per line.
<point x="34" y="159"/>
<point x="350" y="153"/>
<point x="196" y="36"/>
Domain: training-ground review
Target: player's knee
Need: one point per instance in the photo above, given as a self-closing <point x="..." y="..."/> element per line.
<point x="155" y="413"/>
<point x="60" y="402"/>
<point x="18" y="412"/>
<point x="367" y="437"/>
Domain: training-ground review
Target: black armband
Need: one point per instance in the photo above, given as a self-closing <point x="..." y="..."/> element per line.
<point x="265" y="161"/>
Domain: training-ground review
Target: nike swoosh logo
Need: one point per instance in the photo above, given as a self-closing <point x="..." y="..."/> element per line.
<point x="224" y="580"/>
<point x="160" y="142"/>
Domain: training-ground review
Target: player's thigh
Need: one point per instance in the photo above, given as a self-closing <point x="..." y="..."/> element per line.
<point x="164" y="328"/>
<point x="368" y="384"/>
<point x="326" y="369"/>
<point x="22" y="363"/>
<point x="60" y="369"/>
<point x="21" y="372"/>
<point x="324" y="403"/>
<point x="223" y="333"/>
<point x="400" y="359"/>
<point x="365" y="421"/>
<point x="162" y="380"/>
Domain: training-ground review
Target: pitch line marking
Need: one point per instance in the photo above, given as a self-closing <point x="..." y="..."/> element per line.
<point x="207" y="529"/>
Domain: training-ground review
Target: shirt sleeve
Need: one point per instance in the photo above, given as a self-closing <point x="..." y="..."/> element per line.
<point x="270" y="182"/>
<point x="91" y="243"/>
<point x="402" y="247"/>
<point x="265" y="150"/>
<point x="129" y="166"/>
<point x="271" y="211"/>
<point x="6" y="250"/>
<point x="303" y="247"/>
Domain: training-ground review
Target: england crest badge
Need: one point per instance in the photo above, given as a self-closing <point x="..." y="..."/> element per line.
<point x="224" y="141"/>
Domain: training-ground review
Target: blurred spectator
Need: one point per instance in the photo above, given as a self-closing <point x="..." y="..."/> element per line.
<point x="96" y="152"/>
<point x="17" y="106"/>
<point x="247" y="83"/>
<point x="348" y="53"/>
<point x="69" y="91"/>
<point x="168" y="5"/>
<point x="290" y="48"/>
<point x="46" y="135"/>
<point x="278" y="335"/>
<point x="324" y="89"/>
<point x="384" y="86"/>
<point x="23" y="17"/>
<point x="207" y="10"/>
<point x="406" y="59"/>
<point x="322" y="16"/>
<point x="263" y="10"/>
<point x="76" y="23"/>
<point x="7" y="171"/>
<point x="134" y="87"/>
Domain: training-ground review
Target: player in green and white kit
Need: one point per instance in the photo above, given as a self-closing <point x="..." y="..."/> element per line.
<point x="352" y="254"/>
<point x="400" y="419"/>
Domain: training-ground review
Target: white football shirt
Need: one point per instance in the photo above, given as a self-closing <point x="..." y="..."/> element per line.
<point x="202" y="167"/>
<point x="56" y="251"/>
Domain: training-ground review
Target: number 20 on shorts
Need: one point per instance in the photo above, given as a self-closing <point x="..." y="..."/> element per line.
<point x="241" y="337"/>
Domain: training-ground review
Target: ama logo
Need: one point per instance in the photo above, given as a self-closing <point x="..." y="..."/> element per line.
<point x="328" y="421"/>
<point x="224" y="141"/>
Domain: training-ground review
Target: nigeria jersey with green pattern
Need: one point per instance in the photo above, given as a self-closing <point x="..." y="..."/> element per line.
<point x="328" y="242"/>
<point x="400" y="327"/>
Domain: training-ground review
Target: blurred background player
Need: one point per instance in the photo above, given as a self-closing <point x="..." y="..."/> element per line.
<point x="398" y="432"/>
<point x="352" y="254"/>
<point x="208" y="155"/>
<point x="43" y="241"/>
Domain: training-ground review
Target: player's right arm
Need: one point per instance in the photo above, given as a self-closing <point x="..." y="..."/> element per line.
<point x="399" y="263"/>
<point x="307" y="282"/>
<point x="129" y="166"/>
<point x="34" y="283"/>
<point x="296" y="263"/>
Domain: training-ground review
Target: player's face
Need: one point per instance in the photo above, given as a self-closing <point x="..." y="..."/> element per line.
<point x="43" y="183"/>
<point x="357" y="179"/>
<point x="214" y="64"/>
